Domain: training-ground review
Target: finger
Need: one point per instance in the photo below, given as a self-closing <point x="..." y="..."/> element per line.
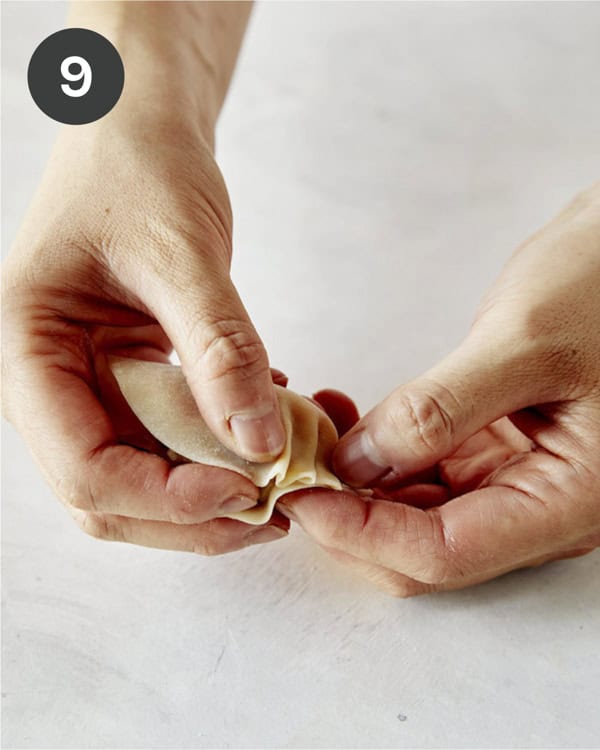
<point x="148" y="353"/>
<point x="470" y="464"/>
<point x="403" y="587"/>
<point x="425" y="421"/>
<point x="417" y="495"/>
<point x="481" y="455"/>
<point x="385" y="579"/>
<point x="278" y="377"/>
<point x="125" y="481"/>
<point x="530" y="507"/>
<point x="556" y="556"/>
<point x="341" y="409"/>
<point x="392" y="479"/>
<point x="222" y="356"/>
<point x="559" y="428"/>
<point x="212" y="538"/>
<point x="390" y="535"/>
<point x="126" y="425"/>
<point x="120" y="338"/>
<point x="77" y="447"/>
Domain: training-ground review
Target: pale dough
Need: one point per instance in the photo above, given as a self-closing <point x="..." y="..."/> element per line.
<point x="159" y="396"/>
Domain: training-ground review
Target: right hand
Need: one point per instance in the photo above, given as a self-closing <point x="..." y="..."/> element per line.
<point x="126" y="250"/>
<point x="490" y="461"/>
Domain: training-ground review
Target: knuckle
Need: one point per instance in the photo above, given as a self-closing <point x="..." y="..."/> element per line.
<point x="405" y="589"/>
<point x="425" y="417"/>
<point x="436" y="568"/>
<point x="73" y="495"/>
<point x="428" y="550"/>
<point x="435" y="572"/>
<point x="97" y="526"/>
<point x="433" y="568"/>
<point x="212" y="540"/>
<point x="101" y="526"/>
<point x="180" y="510"/>
<point x="399" y="589"/>
<point x="232" y="347"/>
<point x="76" y="500"/>
<point x="204" y="548"/>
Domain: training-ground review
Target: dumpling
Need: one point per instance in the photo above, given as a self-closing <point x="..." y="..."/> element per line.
<point x="159" y="396"/>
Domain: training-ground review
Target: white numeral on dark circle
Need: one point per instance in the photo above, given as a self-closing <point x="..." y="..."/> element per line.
<point x="84" y="74"/>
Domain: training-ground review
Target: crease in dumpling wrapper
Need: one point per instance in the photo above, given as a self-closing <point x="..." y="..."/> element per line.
<point x="160" y="398"/>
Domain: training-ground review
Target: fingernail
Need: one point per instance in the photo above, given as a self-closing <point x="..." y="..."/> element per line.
<point x="266" y="534"/>
<point x="237" y="505"/>
<point x="356" y="460"/>
<point x="261" y="436"/>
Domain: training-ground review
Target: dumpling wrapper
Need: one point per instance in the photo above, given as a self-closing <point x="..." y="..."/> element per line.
<point x="159" y="396"/>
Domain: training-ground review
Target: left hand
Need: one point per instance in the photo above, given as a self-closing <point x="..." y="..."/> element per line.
<point x="491" y="460"/>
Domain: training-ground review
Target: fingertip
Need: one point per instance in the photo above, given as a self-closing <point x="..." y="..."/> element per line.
<point x="341" y="408"/>
<point x="258" y="438"/>
<point x="302" y="504"/>
<point x="279" y="377"/>
<point x="356" y="461"/>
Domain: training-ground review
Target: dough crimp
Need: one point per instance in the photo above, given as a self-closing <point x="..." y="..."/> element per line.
<point x="159" y="396"/>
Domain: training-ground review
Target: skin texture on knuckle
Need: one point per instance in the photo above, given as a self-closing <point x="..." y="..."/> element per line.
<point x="407" y="589"/>
<point x="180" y="510"/>
<point x="214" y="538"/>
<point x="434" y="547"/>
<point x="422" y="419"/>
<point x="392" y="584"/>
<point x="397" y="585"/>
<point x="97" y="526"/>
<point x="77" y="501"/>
<point x="74" y="492"/>
<point x="206" y="547"/>
<point x="232" y="348"/>
<point x="562" y="506"/>
<point x="417" y="544"/>
<point x="333" y="531"/>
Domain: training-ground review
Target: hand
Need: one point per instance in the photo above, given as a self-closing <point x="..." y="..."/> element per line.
<point x="491" y="460"/>
<point x="126" y="250"/>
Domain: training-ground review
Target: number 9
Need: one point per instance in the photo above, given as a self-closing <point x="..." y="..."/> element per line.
<point x="85" y="73"/>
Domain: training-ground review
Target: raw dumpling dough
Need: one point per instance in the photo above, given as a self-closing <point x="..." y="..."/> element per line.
<point x="159" y="396"/>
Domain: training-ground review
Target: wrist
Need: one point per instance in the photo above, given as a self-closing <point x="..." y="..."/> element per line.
<point x="172" y="80"/>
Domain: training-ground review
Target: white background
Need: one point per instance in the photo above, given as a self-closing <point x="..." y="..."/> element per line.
<point x="383" y="161"/>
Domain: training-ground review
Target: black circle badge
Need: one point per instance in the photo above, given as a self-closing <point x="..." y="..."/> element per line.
<point x="75" y="76"/>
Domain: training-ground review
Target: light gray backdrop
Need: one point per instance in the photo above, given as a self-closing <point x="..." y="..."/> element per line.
<point x="383" y="161"/>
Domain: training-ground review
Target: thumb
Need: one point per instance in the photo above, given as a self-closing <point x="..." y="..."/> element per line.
<point x="427" y="419"/>
<point x="222" y="357"/>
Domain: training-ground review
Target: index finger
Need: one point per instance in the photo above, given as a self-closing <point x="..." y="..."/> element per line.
<point x="530" y="507"/>
<point x="75" y="443"/>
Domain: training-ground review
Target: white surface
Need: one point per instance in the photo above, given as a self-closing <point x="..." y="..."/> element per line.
<point x="383" y="160"/>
